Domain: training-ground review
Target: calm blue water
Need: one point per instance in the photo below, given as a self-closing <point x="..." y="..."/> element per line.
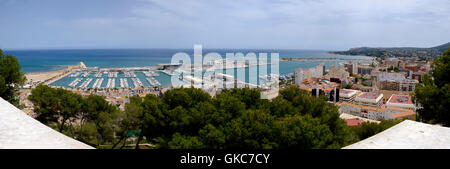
<point x="48" y="60"/>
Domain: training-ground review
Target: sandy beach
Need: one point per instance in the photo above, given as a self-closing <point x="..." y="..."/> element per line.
<point x="52" y="76"/>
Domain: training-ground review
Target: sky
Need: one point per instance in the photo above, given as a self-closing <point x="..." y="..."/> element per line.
<point x="270" y="24"/>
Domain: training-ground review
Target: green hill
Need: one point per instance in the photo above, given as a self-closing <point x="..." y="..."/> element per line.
<point x="420" y="53"/>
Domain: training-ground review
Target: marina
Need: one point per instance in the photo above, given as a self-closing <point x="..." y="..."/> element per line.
<point x="99" y="74"/>
<point x="153" y="81"/>
<point x="97" y="83"/>
<point x="85" y="74"/>
<point x="137" y="82"/>
<point x="150" y="73"/>
<point x="124" y="83"/>
<point x="112" y="74"/>
<point x="111" y="83"/>
<point x="129" y="74"/>
<point x="75" y="74"/>
<point x="75" y="82"/>
<point x="162" y="75"/>
<point x="86" y="83"/>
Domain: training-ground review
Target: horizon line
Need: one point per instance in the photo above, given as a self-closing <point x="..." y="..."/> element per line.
<point x="31" y="49"/>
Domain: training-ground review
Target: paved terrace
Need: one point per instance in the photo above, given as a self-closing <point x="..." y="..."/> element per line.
<point x="20" y="131"/>
<point x="408" y="135"/>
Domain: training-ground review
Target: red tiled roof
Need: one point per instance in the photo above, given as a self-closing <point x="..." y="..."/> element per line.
<point x="353" y="122"/>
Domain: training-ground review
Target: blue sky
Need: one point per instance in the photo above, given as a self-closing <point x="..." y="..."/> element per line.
<point x="284" y="24"/>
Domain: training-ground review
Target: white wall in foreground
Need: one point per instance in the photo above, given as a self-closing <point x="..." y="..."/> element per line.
<point x="20" y="131"/>
<point x="408" y="135"/>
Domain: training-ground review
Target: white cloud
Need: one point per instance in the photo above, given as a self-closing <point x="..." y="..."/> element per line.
<point x="267" y="24"/>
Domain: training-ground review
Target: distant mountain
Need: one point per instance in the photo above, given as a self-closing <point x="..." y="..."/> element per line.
<point x="443" y="47"/>
<point x="420" y="53"/>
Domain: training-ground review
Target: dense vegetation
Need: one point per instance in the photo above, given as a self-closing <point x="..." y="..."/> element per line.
<point x="11" y="78"/>
<point x="434" y="93"/>
<point x="190" y="118"/>
<point x="89" y="119"/>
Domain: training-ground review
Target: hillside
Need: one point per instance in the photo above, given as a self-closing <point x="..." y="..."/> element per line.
<point x="420" y="53"/>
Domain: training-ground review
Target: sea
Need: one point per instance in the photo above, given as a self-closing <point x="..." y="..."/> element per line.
<point x="54" y="59"/>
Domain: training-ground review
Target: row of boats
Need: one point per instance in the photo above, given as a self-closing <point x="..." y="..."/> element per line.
<point x="98" y="83"/>
<point x="153" y="81"/>
<point x="86" y="83"/>
<point x="124" y="83"/>
<point x="75" y="82"/>
<point x="111" y="83"/>
<point x="137" y="82"/>
<point x="113" y="74"/>
<point x="150" y="73"/>
<point x="99" y="74"/>
<point x="129" y="74"/>
<point x="85" y="74"/>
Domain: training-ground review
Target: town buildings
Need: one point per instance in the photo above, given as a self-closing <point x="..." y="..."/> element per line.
<point x="364" y="69"/>
<point x="369" y="99"/>
<point x="376" y="113"/>
<point x="400" y="101"/>
<point x="347" y="95"/>
<point x="302" y="74"/>
<point x="322" y="87"/>
<point x="337" y="71"/>
<point x="392" y="62"/>
<point x="351" y="67"/>
<point x="395" y="81"/>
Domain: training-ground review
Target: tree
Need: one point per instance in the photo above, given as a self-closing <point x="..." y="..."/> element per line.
<point x="433" y="95"/>
<point x="367" y="129"/>
<point x="11" y="78"/>
<point x="348" y="86"/>
<point x="91" y="120"/>
<point x="238" y="118"/>
<point x="55" y="106"/>
<point x="235" y="118"/>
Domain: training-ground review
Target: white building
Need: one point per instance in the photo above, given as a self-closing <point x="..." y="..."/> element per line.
<point x="316" y="72"/>
<point x="369" y="99"/>
<point x="347" y="95"/>
<point x="338" y="71"/>
<point x="400" y="101"/>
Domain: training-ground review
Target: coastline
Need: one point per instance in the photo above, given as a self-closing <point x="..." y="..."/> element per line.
<point x="36" y="78"/>
<point x="349" y="55"/>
